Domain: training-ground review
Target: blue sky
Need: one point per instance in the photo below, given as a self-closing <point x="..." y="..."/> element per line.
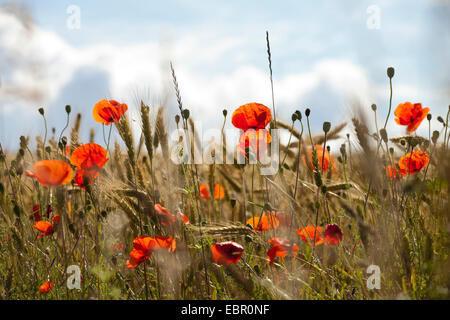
<point x="324" y="57"/>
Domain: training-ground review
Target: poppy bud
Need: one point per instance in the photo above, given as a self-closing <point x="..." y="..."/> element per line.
<point x="307" y="112"/>
<point x="68" y="109"/>
<point x="299" y="114"/>
<point x="348" y="135"/>
<point x="374" y="107"/>
<point x="429" y="116"/>
<point x="41" y="111"/>
<point x="390" y="72"/>
<point x="185" y="114"/>
<point x="294" y="117"/>
<point x="225" y="112"/>
<point x="328" y="148"/>
<point x="383" y="134"/>
<point x="177" y="119"/>
<point x="326" y="126"/>
<point x="440" y="119"/>
<point x="268" y="207"/>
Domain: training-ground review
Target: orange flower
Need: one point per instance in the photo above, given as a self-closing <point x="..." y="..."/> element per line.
<point x="307" y="234"/>
<point x="142" y="250"/>
<point x="256" y="140"/>
<point x="183" y="217"/>
<point x="166" y="217"/>
<point x="56" y="219"/>
<point x="161" y="243"/>
<point x="324" y="158"/>
<point x="268" y="221"/>
<point x="52" y="172"/>
<point x="108" y="112"/>
<point x="219" y="193"/>
<point x="284" y="218"/>
<point x="392" y="172"/>
<point x="144" y="246"/>
<point x="410" y="115"/>
<point x="90" y="156"/>
<point x="332" y="234"/>
<point x="45" y="227"/>
<point x="251" y="116"/>
<point x="226" y="252"/>
<point x="117" y="247"/>
<point x="280" y="248"/>
<point x="411" y="164"/>
<point x="46" y="287"/>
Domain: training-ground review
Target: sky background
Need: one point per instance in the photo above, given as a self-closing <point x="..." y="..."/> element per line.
<point x="325" y="56"/>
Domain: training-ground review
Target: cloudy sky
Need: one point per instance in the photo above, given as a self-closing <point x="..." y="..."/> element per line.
<point x="325" y="55"/>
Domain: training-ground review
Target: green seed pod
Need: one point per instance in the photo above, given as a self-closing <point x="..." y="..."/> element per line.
<point x="224" y="112"/>
<point x="307" y="112"/>
<point x="326" y="126"/>
<point x="177" y="119"/>
<point x="374" y="107"/>
<point x="390" y="72"/>
<point x="429" y="117"/>
<point x="185" y="114"/>
<point x="41" y="111"/>
<point x="68" y="109"/>
<point x="383" y="134"/>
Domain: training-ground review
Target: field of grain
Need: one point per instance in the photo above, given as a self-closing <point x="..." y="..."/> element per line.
<point x="120" y="220"/>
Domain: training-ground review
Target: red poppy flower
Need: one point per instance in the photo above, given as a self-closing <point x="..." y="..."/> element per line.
<point x="280" y="248"/>
<point x="256" y="141"/>
<point x="410" y="115"/>
<point x="45" y="227"/>
<point x="324" y="158"/>
<point x="307" y="234"/>
<point x="117" y="247"/>
<point x="29" y="174"/>
<point x="166" y="217"/>
<point x="56" y="219"/>
<point x="393" y="173"/>
<point x="285" y="219"/>
<point x="142" y="250"/>
<point x="183" y="217"/>
<point x="144" y="246"/>
<point x="332" y="234"/>
<point x="36" y="215"/>
<point x="108" y="112"/>
<point x="226" y="252"/>
<point x="52" y="172"/>
<point x="267" y="221"/>
<point x="219" y="192"/>
<point x="90" y="156"/>
<point x="46" y="287"/>
<point x="411" y="164"/>
<point x="161" y="243"/>
<point x="251" y="116"/>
